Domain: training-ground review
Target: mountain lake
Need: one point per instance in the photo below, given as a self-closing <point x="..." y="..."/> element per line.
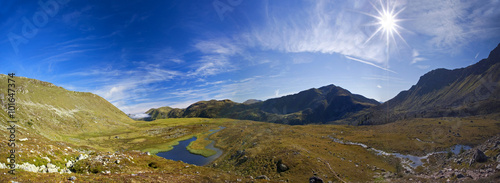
<point x="180" y="152"/>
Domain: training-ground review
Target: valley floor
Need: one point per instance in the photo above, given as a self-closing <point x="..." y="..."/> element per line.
<point x="264" y="150"/>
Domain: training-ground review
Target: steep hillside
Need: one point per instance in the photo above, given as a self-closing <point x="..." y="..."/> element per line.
<point x="440" y="93"/>
<point x="316" y="105"/>
<point x="53" y="111"/>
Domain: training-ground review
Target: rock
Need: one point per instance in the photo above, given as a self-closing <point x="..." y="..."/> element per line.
<point x="498" y="158"/>
<point x="29" y="167"/>
<point x="498" y="167"/>
<point x="82" y="157"/>
<point x="243" y="160"/>
<point x="262" y="177"/>
<point x="281" y="167"/>
<point x="69" y="164"/>
<point x="238" y="154"/>
<point x="117" y="161"/>
<point x="51" y="168"/>
<point x="478" y="156"/>
<point x="72" y="178"/>
<point x="65" y="170"/>
<point x="48" y="159"/>
<point x="24" y="139"/>
<point x="42" y="169"/>
<point x="315" y="179"/>
<point x="460" y="176"/>
<point x="148" y="153"/>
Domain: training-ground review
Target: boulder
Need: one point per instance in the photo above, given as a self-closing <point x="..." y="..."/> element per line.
<point x="69" y="164"/>
<point x="51" y="168"/>
<point x="315" y="179"/>
<point x="82" y="157"/>
<point x="478" y="156"/>
<point x="72" y="178"/>
<point x="281" y="167"/>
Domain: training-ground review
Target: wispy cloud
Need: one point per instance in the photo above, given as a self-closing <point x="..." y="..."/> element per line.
<point x="369" y="63"/>
<point x="216" y="58"/>
<point x="320" y="27"/>
<point x="128" y="89"/>
<point x="416" y="57"/>
<point x="453" y="24"/>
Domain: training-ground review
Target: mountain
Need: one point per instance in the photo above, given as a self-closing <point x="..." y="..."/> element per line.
<point x="468" y="91"/>
<point x="252" y="101"/>
<point x="53" y="111"/>
<point x="316" y="105"/>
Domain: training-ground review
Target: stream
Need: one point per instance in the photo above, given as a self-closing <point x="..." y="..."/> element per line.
<point x="410" y="160"/>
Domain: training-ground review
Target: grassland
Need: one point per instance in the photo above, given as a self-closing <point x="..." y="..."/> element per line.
<point x="255" y="148"/>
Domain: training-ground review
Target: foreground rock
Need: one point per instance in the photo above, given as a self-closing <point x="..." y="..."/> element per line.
<point x="478" y="156"/>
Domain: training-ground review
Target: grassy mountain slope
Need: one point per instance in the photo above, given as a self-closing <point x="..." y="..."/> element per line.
<point x="316" y="105"/>
<point x="473" y="90"/>
<point x="53" y="111"/>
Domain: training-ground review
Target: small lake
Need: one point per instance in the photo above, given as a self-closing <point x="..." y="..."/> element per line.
<point x="180" y="152"/>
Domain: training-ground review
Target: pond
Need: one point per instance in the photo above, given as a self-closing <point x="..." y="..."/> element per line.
<point x="180" y="152"/>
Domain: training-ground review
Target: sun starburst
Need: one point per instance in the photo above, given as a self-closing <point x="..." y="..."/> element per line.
<point x="387" y="22"/>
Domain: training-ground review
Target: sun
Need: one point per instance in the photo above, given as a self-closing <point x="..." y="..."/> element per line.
<point x="387" y="22"/>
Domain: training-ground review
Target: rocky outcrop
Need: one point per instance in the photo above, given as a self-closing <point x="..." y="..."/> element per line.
<point x="478" y="156"/>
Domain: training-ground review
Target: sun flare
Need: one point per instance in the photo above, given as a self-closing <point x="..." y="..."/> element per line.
<point x="387" y="22"/>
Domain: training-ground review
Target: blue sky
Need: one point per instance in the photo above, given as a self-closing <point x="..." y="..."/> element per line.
<point x="146" y="54"/>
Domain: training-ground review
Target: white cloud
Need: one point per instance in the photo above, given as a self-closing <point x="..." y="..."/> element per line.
<point x="322" y="27"/>
<point x="378" y="86"/>
<point x="212" y="65"/>
<point x="128" y="89"/>
<point x="453" y="24"/>
<point x="216" y="58"/>
<point x="277" y="93"/>
<point x="416" y="57"/>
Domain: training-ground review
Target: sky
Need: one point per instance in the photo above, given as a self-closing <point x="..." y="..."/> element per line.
<point x="147" y="54"/>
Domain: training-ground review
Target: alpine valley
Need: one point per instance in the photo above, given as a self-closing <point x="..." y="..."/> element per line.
<point x="325" y="134"/>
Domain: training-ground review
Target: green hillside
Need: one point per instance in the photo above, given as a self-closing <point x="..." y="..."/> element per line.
<point x="55" y="112"/>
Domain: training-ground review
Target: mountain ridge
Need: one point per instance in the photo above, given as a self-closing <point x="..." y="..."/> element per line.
<point x="468" y="91"/>
<point x="315" y="105"/>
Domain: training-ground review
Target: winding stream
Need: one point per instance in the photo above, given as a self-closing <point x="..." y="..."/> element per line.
<point x="412" y="161"/>
<point x="180" y="152"/>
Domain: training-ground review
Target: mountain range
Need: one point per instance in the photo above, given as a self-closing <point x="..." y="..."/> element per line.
<point x="441" y="92"/>
<point x="468" y="91"/>
<point x="316" y="105"/>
